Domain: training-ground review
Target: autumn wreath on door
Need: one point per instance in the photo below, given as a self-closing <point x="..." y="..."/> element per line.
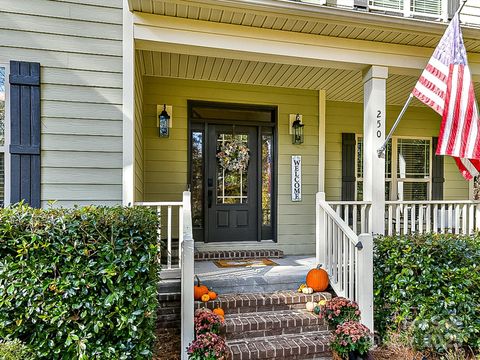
<point x="234" y="155"/>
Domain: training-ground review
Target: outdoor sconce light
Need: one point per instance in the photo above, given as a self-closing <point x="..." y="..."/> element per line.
<point x="164" y="120"/>
<point x="296" y="129"/>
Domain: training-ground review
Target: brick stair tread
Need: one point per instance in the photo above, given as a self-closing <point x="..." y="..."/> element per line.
<point x="264" y="320"/>
<point x="294" y="346"/>
<point x="250" y="301"/>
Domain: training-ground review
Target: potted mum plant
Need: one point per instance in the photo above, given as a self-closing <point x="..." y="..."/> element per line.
<point x="339" y="310"/>
<point x="208" y="344"/>
<point x="351" y="341"/>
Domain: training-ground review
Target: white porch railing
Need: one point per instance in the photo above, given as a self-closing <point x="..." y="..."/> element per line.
<point x="347" y="257"/>
<point x="355" y="213"/>
<point x="165" y="211"/>
<point x="407" y="217"/>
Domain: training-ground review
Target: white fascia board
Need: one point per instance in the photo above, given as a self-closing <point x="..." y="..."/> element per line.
<point x="203" y="38"/>
<point x="344" y="16"/>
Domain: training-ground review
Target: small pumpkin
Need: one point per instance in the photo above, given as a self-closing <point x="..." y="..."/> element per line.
<point x="212" y="294"/>
<point x="205" y="297"/>
<point x="317" y="279"/>
<point x="310" y="306"/>
<point x="199" y="289"/>
<point x="301" y="287"/>
<point x="307" y="290"/>
<point x="317" y="310"/>
<point x="219" y="312"/>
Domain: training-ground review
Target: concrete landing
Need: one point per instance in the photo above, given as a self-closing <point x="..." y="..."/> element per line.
<point x="288" y="275"/>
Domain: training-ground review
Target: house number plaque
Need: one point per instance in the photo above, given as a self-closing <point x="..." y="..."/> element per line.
<point x="296" y="178"/>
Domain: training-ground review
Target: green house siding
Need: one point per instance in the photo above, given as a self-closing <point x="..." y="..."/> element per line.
<point x="79" y="47"/>
<point x="348" y="118"/>
<point x="166" y="159"/>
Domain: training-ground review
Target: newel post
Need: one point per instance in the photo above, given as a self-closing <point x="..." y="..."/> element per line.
<point x="365" y="280"/>
<point x="187" y="276"/>
<point x="320" y="230"/>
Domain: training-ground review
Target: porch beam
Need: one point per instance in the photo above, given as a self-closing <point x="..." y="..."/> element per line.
<point x="375" y="99"/>
<point x="204" y="38"/>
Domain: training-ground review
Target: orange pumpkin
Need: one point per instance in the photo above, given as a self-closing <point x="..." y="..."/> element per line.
<point x="205" y="297"/>
<point x="317" y="279"/>
<point x="219" y="312"/>
<point x="212" y="294"/>
<point x="199" y="289"/>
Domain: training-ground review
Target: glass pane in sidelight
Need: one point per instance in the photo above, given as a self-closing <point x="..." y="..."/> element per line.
<point x="197" y="178"/>
<point x="267" y="178"/>
<point x="232" y="184"/>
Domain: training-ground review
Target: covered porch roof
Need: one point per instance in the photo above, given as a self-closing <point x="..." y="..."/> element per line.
<point x="339" y="84"/>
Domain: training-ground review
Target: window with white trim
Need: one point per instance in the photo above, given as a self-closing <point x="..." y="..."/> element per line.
<point x="3" y="136"/>
<point x="408" y="169"/>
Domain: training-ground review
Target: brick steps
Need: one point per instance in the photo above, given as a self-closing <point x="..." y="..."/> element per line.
<point x="311" y="345"/>
<point x="253" y="302"/>
<point x="238" y="254"/>
<point x="271" y="323"/>
<point x="272" y="326"/>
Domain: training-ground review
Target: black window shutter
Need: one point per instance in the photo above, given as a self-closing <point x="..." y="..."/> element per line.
<point x="438" y="177"/>
<point x="348" y="167"/>
<point x="25" y="132"/>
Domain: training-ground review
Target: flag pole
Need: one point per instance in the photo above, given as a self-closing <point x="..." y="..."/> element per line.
<point x="381" y="150"/>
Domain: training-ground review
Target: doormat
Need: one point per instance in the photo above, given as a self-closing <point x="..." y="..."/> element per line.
<point x="244" y="263"/>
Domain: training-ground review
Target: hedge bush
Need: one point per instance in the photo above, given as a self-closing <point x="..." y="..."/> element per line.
<point x="429" y="287"/>
<point x="15" y="350"/>
<point x="79" y="283"/>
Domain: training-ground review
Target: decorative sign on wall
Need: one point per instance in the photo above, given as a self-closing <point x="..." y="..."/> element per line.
<point x="296" y="178"/>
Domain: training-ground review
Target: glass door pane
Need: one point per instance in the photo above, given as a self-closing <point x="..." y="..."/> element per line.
<point x="232" y="178"/>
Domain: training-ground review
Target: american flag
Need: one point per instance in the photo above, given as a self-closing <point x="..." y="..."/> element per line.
<point x="446" y="86"/>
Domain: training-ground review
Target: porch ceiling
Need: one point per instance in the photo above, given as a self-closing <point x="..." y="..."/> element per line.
<point x="308" y="18"/>
<point x="340" y="84"/>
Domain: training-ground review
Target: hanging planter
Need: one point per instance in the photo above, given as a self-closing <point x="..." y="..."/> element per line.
<point x="234" y="156"/>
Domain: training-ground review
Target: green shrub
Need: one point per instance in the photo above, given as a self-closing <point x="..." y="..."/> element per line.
<point x="15" y="350"/>
<point x="429" y="286"/>
<point x="79" y="283"/>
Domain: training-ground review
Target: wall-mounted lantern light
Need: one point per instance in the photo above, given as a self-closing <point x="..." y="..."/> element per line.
<point x="164" y="122"/>
<point x="296" y="129"/>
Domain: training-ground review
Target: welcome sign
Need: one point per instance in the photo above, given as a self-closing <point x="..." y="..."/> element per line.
<point x="296" y="178"/>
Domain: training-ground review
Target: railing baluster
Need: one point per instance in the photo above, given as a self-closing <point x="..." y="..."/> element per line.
<point x="398" y="220"/>
<point x="464" y="219"/>
<point x="159" y="234"/>
<point x="355" y="221"/>
<point x="477" y="217"/>
<point x="169" y="237"/>
<point x="180" y="235"/>
<point x="471" y="218"/>
<point x="390" y="220"/>
<point x="428" y="220"/>
<point x="363" y="219"/>
<point x="405" y="220"/>
<point x="435" y="218"/>
<point x="442" y="218"/>
<point x="420" y="218"/>
<point x="450" y="219"/>
<point x="413" y="220"/>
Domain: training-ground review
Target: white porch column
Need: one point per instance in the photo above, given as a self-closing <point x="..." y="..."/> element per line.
<point x="322" y="104"/>
<point x="128" y="173"/>
<point x="374" y="87"/>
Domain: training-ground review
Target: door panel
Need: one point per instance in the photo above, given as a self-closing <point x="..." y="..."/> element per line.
<point x="232" y="194"/>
